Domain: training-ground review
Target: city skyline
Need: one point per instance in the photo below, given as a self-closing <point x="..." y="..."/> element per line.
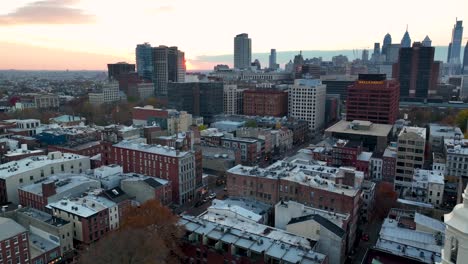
<point x="36" y="34"/>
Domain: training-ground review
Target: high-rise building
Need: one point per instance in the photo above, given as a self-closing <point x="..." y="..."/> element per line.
<point x="265" y="102"/>
<point x="416" y="71"/>
<point x="406" y="40"/>
<point x="365" y="55"/>
<point x="233" y="99"/>
<point x="307" y="102"/>
<point x="115" y="70"/>
<point x="455" y="44"/>
<point x="373" y="98"/>
<point x="427" y="42"/>
<point x="272" y="60"/>
<point x="242" y="51"/>
<point x="168" y="66"/>
<point x="392" y="53"/>
<point x="410" y="155"/>
<point x="465" y="60"/>
<point x="198" y="98"/>
<point x="144" y="61"/>
<point x="386" y="43"/>
<point x="377" y="48"/>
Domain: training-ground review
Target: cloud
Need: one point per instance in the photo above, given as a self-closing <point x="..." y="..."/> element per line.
<point x="160" y="9"/>
<point x="47" y="12"/>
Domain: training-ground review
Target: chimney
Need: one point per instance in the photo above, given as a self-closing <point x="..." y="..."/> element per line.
<point x="48" y="189"/>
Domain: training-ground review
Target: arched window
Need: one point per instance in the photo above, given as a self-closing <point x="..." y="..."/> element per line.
<point x="453" y="250"/>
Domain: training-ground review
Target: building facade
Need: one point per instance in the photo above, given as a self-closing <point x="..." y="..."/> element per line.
<point x="411" y="148"/>
<point x="144" y="61"/>
<point x="416" y="71"/>
<point x="242" y="51"/>
<point x="23" y="172"/>
<point x="373" y="98"/>
<point x="233" y="99"/>
<point x="178" y="167"/>
<point x="14" y="242"/>
<point x="307" y="102"/>
<point x="265" y="102"/>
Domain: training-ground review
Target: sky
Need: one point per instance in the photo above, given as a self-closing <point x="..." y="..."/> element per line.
<point x="88" y="34"/>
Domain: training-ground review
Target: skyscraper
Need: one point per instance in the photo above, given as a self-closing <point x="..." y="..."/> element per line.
<point x="198" y="98"/>
<point x="365" y="55"/>
<point x="377" y="48"/>
<point x="386" y="43"/>
<point x="242" y="51"/>
<point x="406" y="40"/>
<point x="373" y="98"/>
<point x="272" y="60"/>
<point x="168" y="66"/>
<point x="144" y="61"/>
<point x="427" y="42"/>
<point x="416" y="71"/>
<point x="465" y="60"/>
<point x="455" y="45"/>
<point x="115" y="70"/>
<point x="307" y="102"/>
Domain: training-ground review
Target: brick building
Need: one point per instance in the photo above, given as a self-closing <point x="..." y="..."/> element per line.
<point x="373" y="98"/>
<point x="92" y="216"/>
<point x="179" y="167"/>
<point x="334" y="189"/>
<point x="248" y="147"/>
<point x="265" y="102"/>
<point x="54" y="188"/>
<point x="14" y="242"/>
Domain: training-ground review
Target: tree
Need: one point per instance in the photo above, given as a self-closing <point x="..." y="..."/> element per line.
<point x="385" y="199"/>
<point x="461" y="119"/>
<point x="251" y="123"/>
<point x="149" y="234"/>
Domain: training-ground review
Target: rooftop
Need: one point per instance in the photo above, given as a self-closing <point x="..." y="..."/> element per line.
<point x="63" y="183"/>
<point x="307" y="173"/>
<point x="42" y="216"/>
<point x="420" y="131"/>
<point x="364" y="156"/>
<point x="438" y="130"/>
<point x="428" y="176"/>
<point x="39" y="245"/>
<point x="372" y="129"/>
<point x="258" y="238"/>
<point x="407" y="242"/>
<point x="31" y="163"/>
<point x="332" y="227"/>
<point x="456" y="146"/>
<point x="9" y="228"/>
<point x="153" y="149"/>
<point x="67" y="118"/>
<point x="84" y="206"/>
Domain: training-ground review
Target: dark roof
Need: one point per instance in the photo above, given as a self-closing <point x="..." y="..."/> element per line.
<point x="152" y="182"/>
<point x="117" y="195"/>
<point x="322" y="221"/>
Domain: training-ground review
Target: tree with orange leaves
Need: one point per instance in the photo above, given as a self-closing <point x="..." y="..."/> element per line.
<point x="149" y="234"/>
<point x="385" y="199"/>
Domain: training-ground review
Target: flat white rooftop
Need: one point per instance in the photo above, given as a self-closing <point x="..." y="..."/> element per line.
<point x="153" y="149"/>
<point x="31" y="163"/>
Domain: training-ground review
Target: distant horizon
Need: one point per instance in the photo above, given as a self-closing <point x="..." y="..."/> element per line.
<point x="282" y="58"/>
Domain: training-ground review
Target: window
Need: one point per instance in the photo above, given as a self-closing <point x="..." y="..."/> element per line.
<point x="7" y="243"/>
<point x="15" y="240"/>
<point x="31" y="178"/>
<point x="21" y="180"/>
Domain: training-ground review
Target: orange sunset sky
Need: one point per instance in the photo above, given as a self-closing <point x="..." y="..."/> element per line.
<point x="88" y="34"/>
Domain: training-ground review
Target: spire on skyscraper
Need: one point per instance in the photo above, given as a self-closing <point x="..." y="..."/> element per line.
<point x="406" y="40"/>
<point x="427" y="42"/>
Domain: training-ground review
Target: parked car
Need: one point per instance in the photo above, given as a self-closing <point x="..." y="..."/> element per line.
<point x="212" y="196"/>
